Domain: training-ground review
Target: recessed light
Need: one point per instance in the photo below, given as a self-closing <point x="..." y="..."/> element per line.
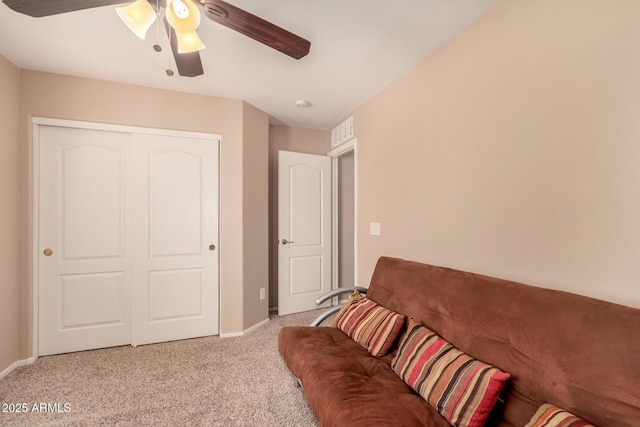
<point x="303" y="103"/>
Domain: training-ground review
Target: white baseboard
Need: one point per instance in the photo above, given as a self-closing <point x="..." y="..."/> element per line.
<point x="246" y="331"/>
<point x="17" y="364"/>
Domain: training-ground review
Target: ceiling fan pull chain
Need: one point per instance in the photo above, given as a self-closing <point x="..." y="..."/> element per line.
<point x="157" y="19"/>
<point x="157" y="47"/>
<point x="169" y="71"/>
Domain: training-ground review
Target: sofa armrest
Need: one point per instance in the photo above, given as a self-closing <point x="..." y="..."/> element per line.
<point x="332" y="310"/>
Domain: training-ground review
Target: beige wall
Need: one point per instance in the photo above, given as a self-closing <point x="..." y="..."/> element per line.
<point x="255" y="194"/>
<point x="286" y="138"/>
<point x="57" y="96"/>
<point x="514" y="151"/>
<point x="9" y="211"/>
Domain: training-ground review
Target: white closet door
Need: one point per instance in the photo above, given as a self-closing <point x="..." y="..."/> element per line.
<point x="84" y="240"/>
<point x="128" y="236"/>
<point x="175" y="238"/>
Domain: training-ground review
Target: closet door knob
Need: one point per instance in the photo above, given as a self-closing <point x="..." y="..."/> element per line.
<point x="47" y="252"/>
<point x="212" y="247"/>
<point x="285" y="241"/>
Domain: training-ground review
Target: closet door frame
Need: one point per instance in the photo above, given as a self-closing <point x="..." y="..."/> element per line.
<point x="34" y="177"/>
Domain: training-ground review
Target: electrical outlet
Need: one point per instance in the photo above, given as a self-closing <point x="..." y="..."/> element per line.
<point x="263" y="294"/>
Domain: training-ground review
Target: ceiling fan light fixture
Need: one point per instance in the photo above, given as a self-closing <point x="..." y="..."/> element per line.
<point x="138" y="16"/>
<point x="189" y="42"/>
<point x="184" y="17"/>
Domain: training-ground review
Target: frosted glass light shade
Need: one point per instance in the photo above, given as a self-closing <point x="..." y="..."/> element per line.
<point x="189" y="42"/>
<point x="138" y="16"/>
<point x="184" y="18"/>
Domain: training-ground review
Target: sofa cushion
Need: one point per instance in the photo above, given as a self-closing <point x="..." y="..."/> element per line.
<point x="345" y="386"/>
<point x="354" y="297"/>
<point x="371" y="325"/>
<point x="551" y="416"/>
<point x="464" y="390"/>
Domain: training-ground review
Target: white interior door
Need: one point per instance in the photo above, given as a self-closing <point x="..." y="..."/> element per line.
<point x="127" y="237"/>
<point x="304" y="227"/>
<point x="175" y="238"/>
<point x="84" y="240"/>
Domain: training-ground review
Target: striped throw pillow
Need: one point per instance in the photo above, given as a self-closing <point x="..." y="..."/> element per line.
<point x="371" y="325"/>
<point x="551" y="416"/>
<point x="461" y="388"/>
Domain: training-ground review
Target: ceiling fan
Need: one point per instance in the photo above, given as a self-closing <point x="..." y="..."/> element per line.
<point x="181" y="16"/>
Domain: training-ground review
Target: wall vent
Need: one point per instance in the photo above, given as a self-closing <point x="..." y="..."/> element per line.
<point x="342" y="133"/>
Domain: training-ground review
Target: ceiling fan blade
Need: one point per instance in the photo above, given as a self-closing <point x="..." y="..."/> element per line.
<point x="188" y="64"/>
<point x="257" y="28"/>
<point x="40" y="8"/>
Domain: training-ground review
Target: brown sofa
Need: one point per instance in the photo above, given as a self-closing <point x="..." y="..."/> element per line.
<point x="578" y="353"/>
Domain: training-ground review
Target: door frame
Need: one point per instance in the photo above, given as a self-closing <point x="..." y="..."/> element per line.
<point x="36" y="122"/>
<point x="350" y="146"/>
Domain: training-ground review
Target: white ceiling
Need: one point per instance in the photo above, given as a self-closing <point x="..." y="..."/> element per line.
<point x="358" y="47"/>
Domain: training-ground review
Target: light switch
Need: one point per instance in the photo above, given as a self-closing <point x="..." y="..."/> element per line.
<point x="374" y="228"/>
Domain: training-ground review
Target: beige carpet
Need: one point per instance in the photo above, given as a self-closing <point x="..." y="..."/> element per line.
<point x="199" y="382"/>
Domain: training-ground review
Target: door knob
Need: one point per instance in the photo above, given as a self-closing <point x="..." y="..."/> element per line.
<point x="212" y="247"/>
<point x="48" y="252"/>
<point x="285" y="241"/>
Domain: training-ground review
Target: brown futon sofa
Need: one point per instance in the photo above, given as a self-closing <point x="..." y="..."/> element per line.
<point x="577" y="353"/>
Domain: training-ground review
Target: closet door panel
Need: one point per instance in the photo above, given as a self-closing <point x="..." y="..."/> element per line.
<point x="84" y="239"/>
<point x="175" y="238"/>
